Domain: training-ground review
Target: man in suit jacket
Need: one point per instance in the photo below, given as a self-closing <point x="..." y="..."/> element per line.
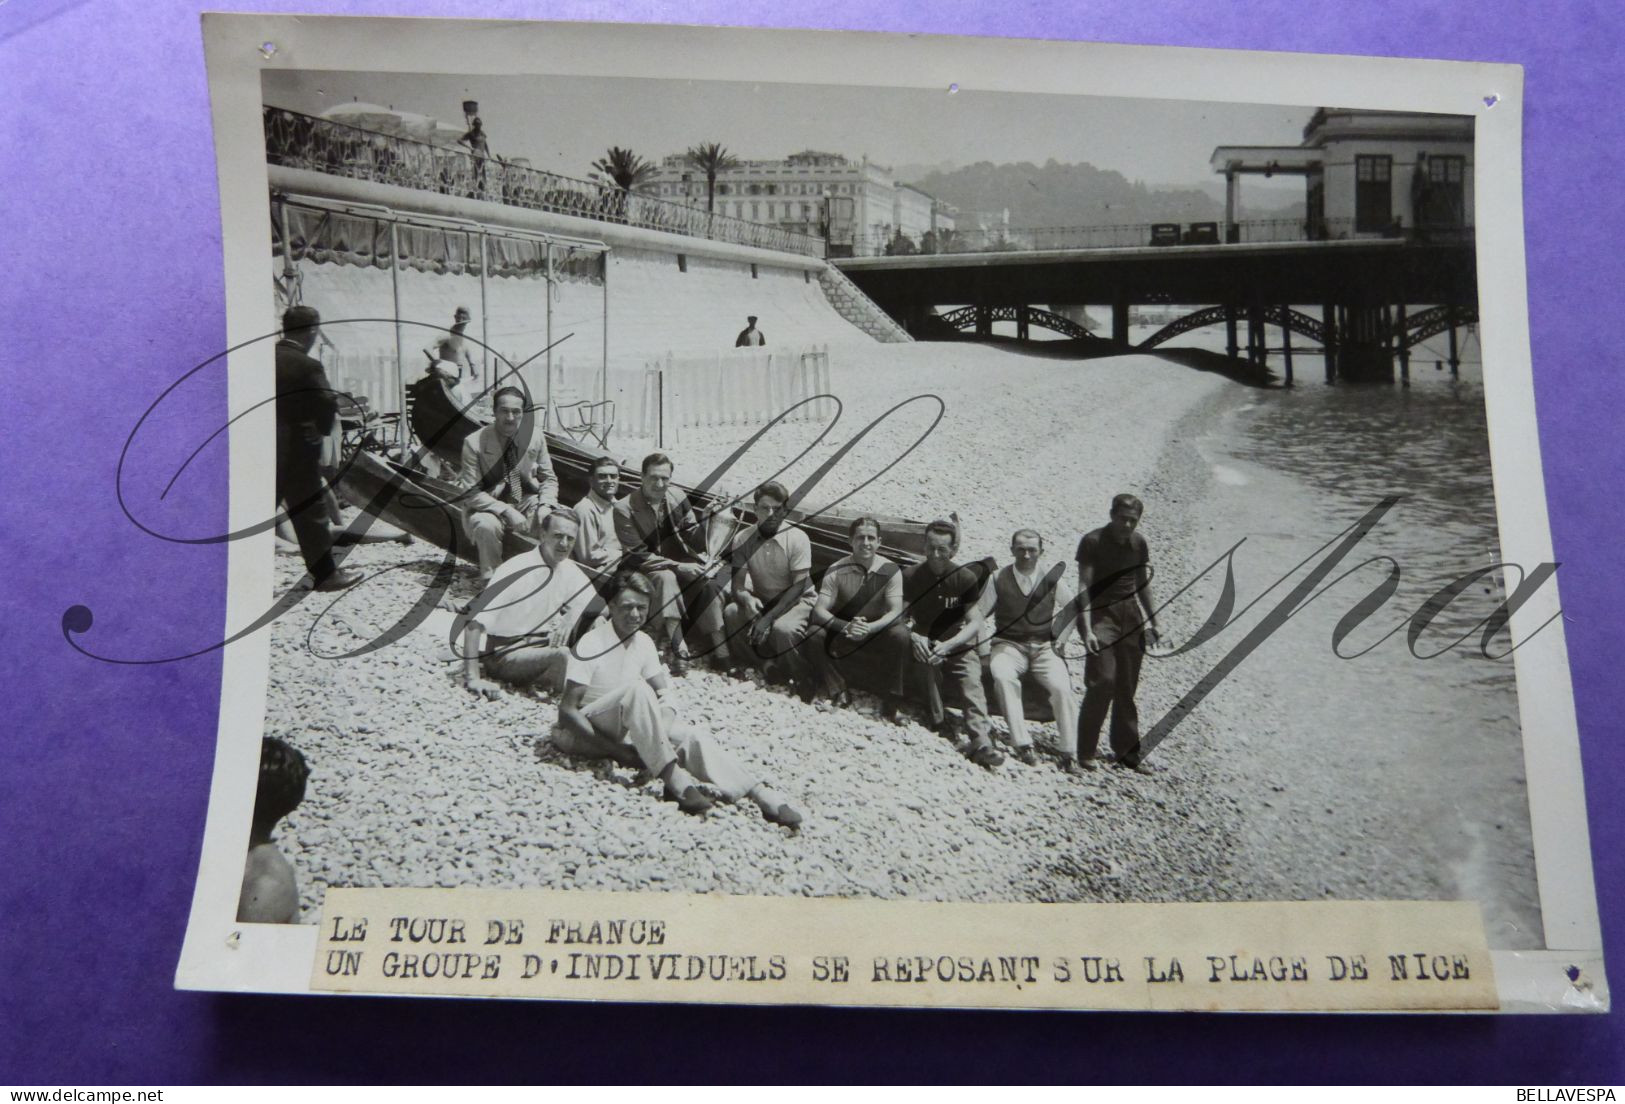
<point x="306" y="410"/>
<point x="660" y="537"/>
<point x="507" y="479"/>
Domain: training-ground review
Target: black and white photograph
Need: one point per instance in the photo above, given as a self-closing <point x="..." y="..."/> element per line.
<point x="933" y="492"/>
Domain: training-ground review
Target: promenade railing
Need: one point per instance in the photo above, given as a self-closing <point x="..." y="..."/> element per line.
<point x="1128" y="235"/>
<point x="303" y="141"/>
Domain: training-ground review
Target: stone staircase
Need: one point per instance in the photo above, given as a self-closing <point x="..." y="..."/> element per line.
<point x="857" y="308"/>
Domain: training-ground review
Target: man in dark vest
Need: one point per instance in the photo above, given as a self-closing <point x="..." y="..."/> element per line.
<point x="306" y="410"/>
<point x="1114" y="582"/>
<point x="857" y="620"/>
<point x="1032" y="614"/>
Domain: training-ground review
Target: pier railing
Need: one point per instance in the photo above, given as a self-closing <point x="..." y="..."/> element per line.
<point x="1116" y="236"/>
<point x="322" y="145"/>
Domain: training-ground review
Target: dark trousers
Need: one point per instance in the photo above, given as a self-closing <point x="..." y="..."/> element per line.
<point x="965" y="669"/>
<point x="1110" y="679"/>
<point x="875" y="661"/>
<point x="299" y="485"/>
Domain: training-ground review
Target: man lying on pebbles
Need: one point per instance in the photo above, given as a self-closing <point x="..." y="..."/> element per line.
<point x="615" y="708"/>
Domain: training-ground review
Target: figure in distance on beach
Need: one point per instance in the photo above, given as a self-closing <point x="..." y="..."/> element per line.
<point x="749" y="337"/>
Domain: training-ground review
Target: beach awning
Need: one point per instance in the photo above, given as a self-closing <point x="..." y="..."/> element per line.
<point x="1266" y="160"/>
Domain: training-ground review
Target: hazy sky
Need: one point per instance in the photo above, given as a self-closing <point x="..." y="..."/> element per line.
<point x="563" y="124"/>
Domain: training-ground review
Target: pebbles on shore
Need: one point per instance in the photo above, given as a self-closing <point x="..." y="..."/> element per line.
<point x="416" y="782"/>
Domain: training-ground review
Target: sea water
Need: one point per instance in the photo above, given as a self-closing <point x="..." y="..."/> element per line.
<point x="1403" y="775"/>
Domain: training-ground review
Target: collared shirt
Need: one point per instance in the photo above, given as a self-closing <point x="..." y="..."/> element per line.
<point x="601" y="661"/>
<point x="850" y="592"/>
<point x="1115" y="564"/>
<point x="542" y="599"/>
<point x="597" y="518"/>
<point x="774" y="562"/>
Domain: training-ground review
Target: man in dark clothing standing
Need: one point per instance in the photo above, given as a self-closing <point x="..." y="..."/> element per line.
<point x="750" y="336"/>
<point x="1114" y="590"/>
<point x="305" y="413"/>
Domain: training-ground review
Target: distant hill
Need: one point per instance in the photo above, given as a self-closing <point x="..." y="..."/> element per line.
<point x="1056" y="194"/>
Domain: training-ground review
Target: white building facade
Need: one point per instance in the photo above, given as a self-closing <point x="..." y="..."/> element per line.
<point x="856" y="205"/>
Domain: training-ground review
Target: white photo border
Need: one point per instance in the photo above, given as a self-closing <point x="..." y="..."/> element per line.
<point x="221" y="954"/>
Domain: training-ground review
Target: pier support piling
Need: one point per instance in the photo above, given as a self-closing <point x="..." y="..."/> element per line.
<point x="1230" y="330"/>
<point x="1455" y="356"/>
<point x="1286" y="345"/>
<point x="1401" y="336"/>
<point x="1328" y="320"/>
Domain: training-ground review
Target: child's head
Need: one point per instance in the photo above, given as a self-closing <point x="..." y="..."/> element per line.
<point x="282" y="783"/>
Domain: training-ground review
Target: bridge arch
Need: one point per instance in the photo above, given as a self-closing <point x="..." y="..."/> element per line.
<point x="1284" y="317"/>
<point x="967" y="318"/>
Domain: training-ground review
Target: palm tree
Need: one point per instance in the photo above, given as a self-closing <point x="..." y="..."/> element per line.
<point x="626" y="168"/>
<point x="711" y="158"/>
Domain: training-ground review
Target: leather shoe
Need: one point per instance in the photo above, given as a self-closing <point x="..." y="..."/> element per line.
<point x="690" y="799"/>
<point x="341" y="579"/>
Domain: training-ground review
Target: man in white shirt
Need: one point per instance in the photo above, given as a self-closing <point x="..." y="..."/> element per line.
<point x="614" y="707"/>
<point x="521" y="623"/>
<point x="773" y="593"/>
<point x="1032" y="614"/>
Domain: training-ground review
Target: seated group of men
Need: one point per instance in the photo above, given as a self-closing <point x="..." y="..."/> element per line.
<point x="913" y="630"/>
<point x="909" y="631"/>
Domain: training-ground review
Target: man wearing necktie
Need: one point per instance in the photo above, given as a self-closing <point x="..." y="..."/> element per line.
<point x="507" y="479"/>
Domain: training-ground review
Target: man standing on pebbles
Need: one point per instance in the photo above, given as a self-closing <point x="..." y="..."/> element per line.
<point x="521" y="624"/>
<point x="616" y="707"/>
<point x="306" y="411"/>
<point x="1114" y="580"/>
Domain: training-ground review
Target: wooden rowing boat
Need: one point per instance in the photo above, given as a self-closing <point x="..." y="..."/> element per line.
<point x="429" y="507"/>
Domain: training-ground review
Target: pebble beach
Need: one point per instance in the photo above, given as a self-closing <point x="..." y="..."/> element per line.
<point x="417" y="782"/>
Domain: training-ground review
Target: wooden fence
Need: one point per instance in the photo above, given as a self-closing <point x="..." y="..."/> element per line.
<point x="741" y="387"/>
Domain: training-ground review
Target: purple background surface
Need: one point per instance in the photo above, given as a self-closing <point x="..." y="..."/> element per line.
<point x="109" y="216"/>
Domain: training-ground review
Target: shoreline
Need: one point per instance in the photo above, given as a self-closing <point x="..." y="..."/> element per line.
<point x="1334" y="798"/>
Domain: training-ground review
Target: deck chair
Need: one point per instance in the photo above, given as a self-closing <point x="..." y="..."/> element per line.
<point x="587" y="420"/>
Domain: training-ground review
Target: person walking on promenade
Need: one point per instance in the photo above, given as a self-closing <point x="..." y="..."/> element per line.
<point x="749" y="337"/>
<point x="858" y="619"/>
<point x="616" y="706"/>
<point x="521" y="625"/>
<point x="660" y="537"/>
<point x="1114" y="580"/>
<point x="773" y="593"/>
<point x="507" y="479"/>
<point x="945" y="623"/>
<point x="597" y="546"/>
<point x="1033" y="615"/>
<point x="474" y="138"/>
<point x="306" y="412"/>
